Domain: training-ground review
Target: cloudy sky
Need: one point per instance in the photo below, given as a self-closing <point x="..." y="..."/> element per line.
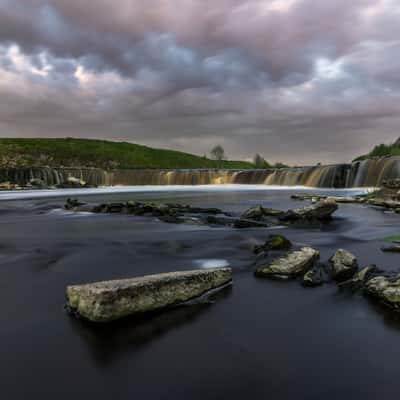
<point x="299" y="81"/>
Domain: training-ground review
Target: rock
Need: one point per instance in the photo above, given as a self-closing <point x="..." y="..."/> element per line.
<point x="380" y="202"/>
<point x="73" y="204"/>
<point x="289" y="266"/>
<point x="392" y="249"/>
<point x="344" y="265"/>
<point x="316" y="276"/>
<point x="38" y="183"/>
<point x="339" y="199"/>
<point x="386" y="290"/>
<point x="111" y="300"/>
<point x="274" y="242"/>
<point x="307" y="197"/>
<point x="116" y="208"/>
<point x="258" y="213"/>
<point x="72" y="182"/>
<point x="321" y="211"/>
<point x="360" y="278"/>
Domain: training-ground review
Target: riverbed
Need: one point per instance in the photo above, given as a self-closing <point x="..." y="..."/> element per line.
<point x="257" y="339"/>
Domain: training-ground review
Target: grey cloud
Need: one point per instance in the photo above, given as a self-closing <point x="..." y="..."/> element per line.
<point x="318" y="78"/>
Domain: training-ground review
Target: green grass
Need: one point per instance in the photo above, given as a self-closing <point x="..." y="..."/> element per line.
<point x="382" y="150"/>
<point x="70" y="152"/>
<point x="394" y="238"/>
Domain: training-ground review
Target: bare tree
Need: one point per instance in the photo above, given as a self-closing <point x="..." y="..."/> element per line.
<point x="218" y="153"/>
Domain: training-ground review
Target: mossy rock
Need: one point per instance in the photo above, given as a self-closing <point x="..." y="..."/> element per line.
<point x="274" y="242"/>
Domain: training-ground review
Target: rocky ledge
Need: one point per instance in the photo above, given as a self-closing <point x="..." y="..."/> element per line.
<point x="341" y="268"/>
<point x="254" y="217"/>
<point x="376" y="199"/>
<point x="385" y="289"/>
<point x="111" y="300"/>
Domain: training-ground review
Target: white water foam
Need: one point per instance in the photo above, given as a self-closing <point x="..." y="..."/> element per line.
<point x="211" y="263"/>
<point x="47" y="193"/>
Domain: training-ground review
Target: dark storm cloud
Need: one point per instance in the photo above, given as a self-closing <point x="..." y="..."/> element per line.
<point x="297" y="80"/>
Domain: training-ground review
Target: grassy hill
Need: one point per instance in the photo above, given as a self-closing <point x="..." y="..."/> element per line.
<point x="382" y="150"/>
<point x="104" y="154"/>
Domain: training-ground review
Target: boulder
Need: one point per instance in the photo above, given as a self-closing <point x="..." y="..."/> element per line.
<point x="289" y="266"/>
<point x="386" y="290"/>
<point x="111" y="300"/>
<point x="344" y="265"/>
<point x="274" y="242"/>
<point x="320" y="211"/>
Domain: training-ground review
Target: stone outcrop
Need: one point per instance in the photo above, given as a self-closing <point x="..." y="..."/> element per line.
<point x="111" y="300"/>
<point x="386" y="290"/>
<point x="259" y="212"/>
<point x="256" y="217"/>
<point x="316" y="276"/>
<point x="344" y="265"/>
<point x="274" y="242"/>
<point x="322" y="211"/>
<point x="293" y="264"/>
<point x="358" y="281"/>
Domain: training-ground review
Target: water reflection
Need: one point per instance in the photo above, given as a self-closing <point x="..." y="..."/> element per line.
<point x="108" y="342"/>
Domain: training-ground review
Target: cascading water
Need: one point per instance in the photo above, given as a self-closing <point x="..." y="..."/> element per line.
<point x="367" y="173"/>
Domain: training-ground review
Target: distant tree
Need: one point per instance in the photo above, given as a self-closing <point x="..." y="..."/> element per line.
<point x="218" y="153"/>
<point x="259" y="162"/>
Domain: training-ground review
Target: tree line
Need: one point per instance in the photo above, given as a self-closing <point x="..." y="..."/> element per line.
<point x="218" y="153"/>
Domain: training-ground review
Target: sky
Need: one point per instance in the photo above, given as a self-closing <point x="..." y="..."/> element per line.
<point x="298" y="81"/>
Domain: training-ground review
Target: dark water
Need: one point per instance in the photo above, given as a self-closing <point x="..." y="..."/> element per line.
<point x="259" y="339"/>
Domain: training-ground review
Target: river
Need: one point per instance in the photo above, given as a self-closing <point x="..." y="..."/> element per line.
<point x="258" y="339"/>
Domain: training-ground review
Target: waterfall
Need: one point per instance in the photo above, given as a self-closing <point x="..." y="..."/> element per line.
<point x="367" y="173"/>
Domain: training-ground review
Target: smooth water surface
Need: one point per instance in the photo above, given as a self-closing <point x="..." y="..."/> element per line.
<point x="257" y="339"/>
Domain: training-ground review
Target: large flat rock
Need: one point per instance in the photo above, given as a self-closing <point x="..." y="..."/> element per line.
<point x="293" y="264"/>
<point x="111" y="300"/>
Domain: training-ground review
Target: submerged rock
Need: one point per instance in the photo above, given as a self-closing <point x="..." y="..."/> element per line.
<point x="111" y="300"/>
<point x="342" y="199"/>
<point x="321" y="211"/>
<point x="358" y="281"/>
<point x="392" y="249"/>
<point x="289" y="266"/>
<point x="386" y="290"/>
<point x="259" y="213"/>
<point x="316" y="276"/>
<point x="274" y="242"/>
<point x="344" y="265"/>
